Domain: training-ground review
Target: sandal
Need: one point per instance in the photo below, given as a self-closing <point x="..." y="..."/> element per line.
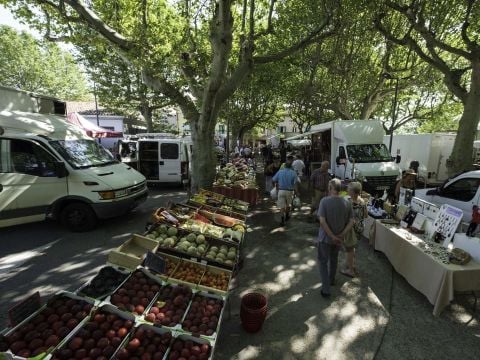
<point x="346" y="273"/>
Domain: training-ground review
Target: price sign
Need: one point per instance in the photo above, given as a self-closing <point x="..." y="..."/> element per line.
<point x="24" y="309"/>
<point x="155" y="263"/>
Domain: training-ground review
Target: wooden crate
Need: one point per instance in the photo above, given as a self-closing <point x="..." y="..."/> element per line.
<point x="132" y="252"/>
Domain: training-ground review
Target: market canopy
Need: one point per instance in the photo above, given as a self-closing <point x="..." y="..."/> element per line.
<point x="91" y="129"/>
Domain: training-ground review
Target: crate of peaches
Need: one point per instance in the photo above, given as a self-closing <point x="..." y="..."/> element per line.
<point x="204" y="315"/>
<point x="136" y="294"/>
<point x="40" y="333"/>
<point x="215" y="280"/>
<point x="100" y="337"/>
<point x="145" y="342"/>
<point x="188" y="273"/>
<point x="170" y="306"/>
<point x="189" y="347"/>
<point x="171" y="264"/>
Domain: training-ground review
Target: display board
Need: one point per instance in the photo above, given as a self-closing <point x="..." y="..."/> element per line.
<point x="447" y="222"/>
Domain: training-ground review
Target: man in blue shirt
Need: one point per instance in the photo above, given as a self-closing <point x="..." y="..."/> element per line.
<point x="284" y="181"/>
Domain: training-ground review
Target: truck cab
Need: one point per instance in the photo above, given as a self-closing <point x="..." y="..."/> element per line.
<point x="461" y="191"/>
<point x="50" y="168"/>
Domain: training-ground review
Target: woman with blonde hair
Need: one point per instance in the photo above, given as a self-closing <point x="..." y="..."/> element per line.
<point x="351" y="239"/>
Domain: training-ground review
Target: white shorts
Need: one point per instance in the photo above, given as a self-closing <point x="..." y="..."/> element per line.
<point x="285" y="198"/>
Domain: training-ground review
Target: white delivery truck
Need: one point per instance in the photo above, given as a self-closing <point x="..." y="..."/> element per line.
<point x="355" y="150"/>
<point x="160" y="157"/>
<point x="50" y="168"/>
<point x="430" y="150"/>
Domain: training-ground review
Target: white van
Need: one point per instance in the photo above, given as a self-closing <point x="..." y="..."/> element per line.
<point x="50" y="168"/>
<point x="164" y="158"/>
<point x="461" y="191"/>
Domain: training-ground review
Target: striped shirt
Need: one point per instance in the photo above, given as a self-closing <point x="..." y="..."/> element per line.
<point x="320" y="179"/>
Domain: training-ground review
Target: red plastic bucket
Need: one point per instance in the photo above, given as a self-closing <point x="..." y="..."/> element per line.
<point x="253" y="311"/>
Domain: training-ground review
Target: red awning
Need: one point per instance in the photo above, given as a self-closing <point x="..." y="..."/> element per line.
<point x="92" y="129"/>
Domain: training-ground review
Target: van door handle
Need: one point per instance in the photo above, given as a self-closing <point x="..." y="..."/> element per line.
<point x="161" y="162"/>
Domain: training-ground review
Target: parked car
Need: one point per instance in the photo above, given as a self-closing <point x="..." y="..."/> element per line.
<point x="461" y="191"/>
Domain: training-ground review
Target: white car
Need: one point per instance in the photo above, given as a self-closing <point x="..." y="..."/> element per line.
<point x="461" y="191"/>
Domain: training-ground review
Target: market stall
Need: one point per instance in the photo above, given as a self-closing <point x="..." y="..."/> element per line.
<point x="426" y="265"/>
<point x="237" y="181"/>
<point x="419" y="240"/>
<point x="162" y="294"/>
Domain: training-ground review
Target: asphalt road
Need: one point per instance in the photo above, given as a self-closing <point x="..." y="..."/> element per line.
<point x="48" y="258"/>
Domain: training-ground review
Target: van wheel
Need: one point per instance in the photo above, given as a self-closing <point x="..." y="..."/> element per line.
<point x="78" y="217"/>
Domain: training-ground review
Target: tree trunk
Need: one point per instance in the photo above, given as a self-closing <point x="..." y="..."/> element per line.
<point x="369" y="106"/>
<point x="461" y="157"/>
<point x="204" y="161"/>
<point x="146" y="112"/>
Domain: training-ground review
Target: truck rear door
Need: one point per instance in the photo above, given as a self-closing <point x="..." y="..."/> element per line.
<point x="169" y="161"/>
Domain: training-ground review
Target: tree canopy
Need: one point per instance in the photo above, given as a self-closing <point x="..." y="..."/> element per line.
<point x="338" y="59"/>
<point x="39" y="66"/>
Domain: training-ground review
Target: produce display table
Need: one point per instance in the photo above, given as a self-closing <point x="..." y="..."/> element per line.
<point x="247" y="195"/>
<point x="435" y="279"/>
<point x="173" y="282"/>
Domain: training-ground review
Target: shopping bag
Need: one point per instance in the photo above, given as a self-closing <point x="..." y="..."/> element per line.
<point x="296" y="202"/>
<point x="274" y="194"/>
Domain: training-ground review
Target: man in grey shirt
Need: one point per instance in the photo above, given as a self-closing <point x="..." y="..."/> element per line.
<point x="336" y="219"/>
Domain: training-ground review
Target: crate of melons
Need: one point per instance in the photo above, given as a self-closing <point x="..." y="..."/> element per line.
<point x="222" y="254"/>
<point x="178" y="242"/>
<point x="215" y="280"/>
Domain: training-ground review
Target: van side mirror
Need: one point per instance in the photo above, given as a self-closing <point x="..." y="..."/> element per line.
<point x="60" y="169"/>
<point x="397" y="159"/>
<point x="435" y="191"/>
<point x="338" y="160"/>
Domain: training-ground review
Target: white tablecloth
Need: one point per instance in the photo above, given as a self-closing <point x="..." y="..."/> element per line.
<point x="436" y="280"/>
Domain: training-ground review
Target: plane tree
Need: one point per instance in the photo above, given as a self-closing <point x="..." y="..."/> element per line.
<point x="196" y="53"/>
<point x="444" y="34"/>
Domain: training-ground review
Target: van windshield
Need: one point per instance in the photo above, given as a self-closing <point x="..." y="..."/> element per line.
<point x="368" y="153"/>
<point x="83" y="153"/>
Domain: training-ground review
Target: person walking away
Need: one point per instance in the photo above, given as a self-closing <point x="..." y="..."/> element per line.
<point x="336" y="220"/>
<point x="285" y="180"/>
<point x="351" y="239"/>
<point x="319" y="181"/>
<point x="474" y="222"/>
<point x="283" y="152"/>
<point x="299" y="167"/>
<point x="247" y="152"/>
<point x="270" y="170"/>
